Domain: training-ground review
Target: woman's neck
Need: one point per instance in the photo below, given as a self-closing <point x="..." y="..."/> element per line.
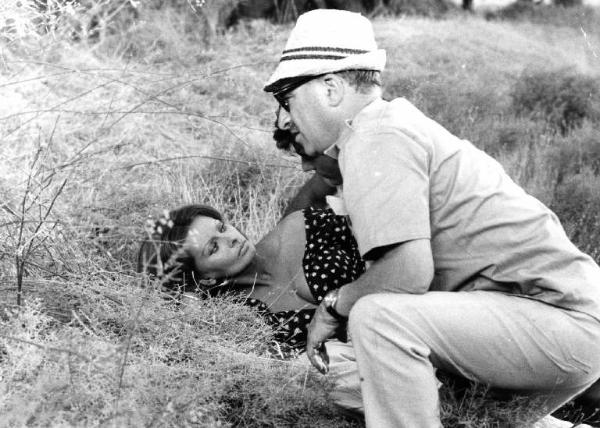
<point x="257" y="271"/>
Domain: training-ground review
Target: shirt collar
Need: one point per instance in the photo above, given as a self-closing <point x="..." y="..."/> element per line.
<point x="368" y="112"/>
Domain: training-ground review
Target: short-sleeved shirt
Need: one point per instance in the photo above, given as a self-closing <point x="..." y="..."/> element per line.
<point x="407" y="178"/>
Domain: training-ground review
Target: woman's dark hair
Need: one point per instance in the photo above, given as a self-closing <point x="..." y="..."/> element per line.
<point x="162" y="255"/>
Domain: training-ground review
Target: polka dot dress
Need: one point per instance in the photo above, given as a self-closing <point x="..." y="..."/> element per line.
<point x="331" y="259"/>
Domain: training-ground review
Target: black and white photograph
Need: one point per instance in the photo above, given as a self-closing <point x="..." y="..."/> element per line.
<point x="300" y="213"/>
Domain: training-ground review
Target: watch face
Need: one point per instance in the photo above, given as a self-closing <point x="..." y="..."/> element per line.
<point x="329" y="299"/>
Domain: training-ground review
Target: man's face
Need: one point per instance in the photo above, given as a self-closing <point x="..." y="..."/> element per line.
<point x="307" y="108"/>
<point x="325" y="166"/>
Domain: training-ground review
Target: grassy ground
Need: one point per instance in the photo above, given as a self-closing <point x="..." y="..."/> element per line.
<point x="98" y="133"/>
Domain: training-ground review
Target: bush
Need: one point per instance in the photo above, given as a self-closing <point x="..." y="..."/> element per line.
<point x="568" y="3"/>
<point x="572" y="154"/>
<point x="564" y="98"/>
<point x="577" y="204"/>
<point x="431" y="8"/>
<point x="505" y="134"/>
<point x="456" y="103"/>
<point x="568" y="13"/>
<point x="520" y="9"/>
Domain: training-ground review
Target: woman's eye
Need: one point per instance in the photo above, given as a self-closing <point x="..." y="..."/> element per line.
<point x="223" y="227"/>
<point x="214" y="248"/>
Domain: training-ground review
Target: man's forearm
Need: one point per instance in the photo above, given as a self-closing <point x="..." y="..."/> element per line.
<point x="312" y="193"/>
<point x="406" y="268"/>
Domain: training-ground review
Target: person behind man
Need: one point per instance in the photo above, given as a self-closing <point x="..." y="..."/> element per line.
<point x="469" y="273"/>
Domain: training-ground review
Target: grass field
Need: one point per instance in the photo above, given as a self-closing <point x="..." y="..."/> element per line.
<point x="100" y="130"/>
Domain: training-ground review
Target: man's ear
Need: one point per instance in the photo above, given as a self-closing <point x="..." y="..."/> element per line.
<point x="336" y="89"/>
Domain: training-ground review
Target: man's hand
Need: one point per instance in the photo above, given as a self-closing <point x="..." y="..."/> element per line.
<point x="322" y="327"/>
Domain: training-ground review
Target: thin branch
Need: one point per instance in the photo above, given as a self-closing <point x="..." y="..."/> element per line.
<point x="126" y="356"/>
<point x="81" y="95"/>
<point x="9" y="210"/>
<point x="59" y="350"/>
<point x="32" y="79"/>
<point x="48" y="211"/>
<point x="175" y="158"/>
<point x="51" y="138"/>
<point x="41" y="242"/>
<point x="18" y="221"/>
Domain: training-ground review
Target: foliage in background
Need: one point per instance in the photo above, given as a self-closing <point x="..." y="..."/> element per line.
<point x="568" y="13"/>
<point x="563" y="98"/>
<point x="138" y="112"/>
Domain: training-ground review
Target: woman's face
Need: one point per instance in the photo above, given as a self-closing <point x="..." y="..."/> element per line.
<point x="219" y="250"/>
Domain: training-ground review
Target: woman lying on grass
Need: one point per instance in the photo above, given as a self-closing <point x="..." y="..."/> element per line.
<point x="286" y="275"/>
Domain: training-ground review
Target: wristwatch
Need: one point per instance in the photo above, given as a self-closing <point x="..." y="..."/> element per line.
<point x="330" y="300"/>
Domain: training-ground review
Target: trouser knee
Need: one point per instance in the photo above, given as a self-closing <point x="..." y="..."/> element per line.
<point x="376" y="314"/>
<point x="364" y="314"/>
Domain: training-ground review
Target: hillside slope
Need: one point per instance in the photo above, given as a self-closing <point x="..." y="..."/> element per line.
<point x="96" y="136"/>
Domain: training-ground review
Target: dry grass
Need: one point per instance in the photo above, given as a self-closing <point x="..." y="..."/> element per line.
<point x="149" y="117"/>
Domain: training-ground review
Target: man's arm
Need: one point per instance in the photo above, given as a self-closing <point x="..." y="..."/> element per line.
<point x="404" y="268"/>
<point x="312" y="193"/>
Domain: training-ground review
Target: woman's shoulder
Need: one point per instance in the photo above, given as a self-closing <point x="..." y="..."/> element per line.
<point x="289" y="229"/>
<point x="292" y="219"/>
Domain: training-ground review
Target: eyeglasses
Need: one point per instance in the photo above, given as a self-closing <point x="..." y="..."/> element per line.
<point x="282" y="94"/>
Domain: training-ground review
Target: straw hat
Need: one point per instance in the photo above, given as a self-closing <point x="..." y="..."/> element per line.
<point x="326" y="41"/>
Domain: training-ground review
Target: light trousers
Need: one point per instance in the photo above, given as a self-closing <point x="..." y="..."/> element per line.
<point x="505" y="341"/>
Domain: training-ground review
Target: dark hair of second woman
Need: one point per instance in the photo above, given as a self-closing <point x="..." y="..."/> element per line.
<point x="178" y="271"/>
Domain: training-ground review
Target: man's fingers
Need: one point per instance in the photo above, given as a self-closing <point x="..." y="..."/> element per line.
<point x="324" y="355"/>
<point x="318" y="357"/>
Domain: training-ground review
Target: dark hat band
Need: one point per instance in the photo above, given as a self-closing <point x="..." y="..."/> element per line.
<point x="319" y="52"/>
<point x="284" y="86"/>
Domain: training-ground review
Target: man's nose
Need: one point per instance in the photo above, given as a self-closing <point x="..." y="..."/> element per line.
<point x="284" y="121"/>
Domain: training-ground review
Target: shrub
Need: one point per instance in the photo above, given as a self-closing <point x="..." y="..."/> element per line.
<point x="505" y="134"/>
<point x="567" y="13"/>
<point x="578" y="151"/>
<point x="432" y="8"/>
<point x="568" y="3"/>
<point x="577" y="204"/>
<point x="520" y="9"/>
<point x="564" y="98"/>
<point x="458" y="104"/>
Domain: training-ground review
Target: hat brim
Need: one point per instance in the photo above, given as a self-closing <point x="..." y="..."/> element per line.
<point x="373" y="60"/>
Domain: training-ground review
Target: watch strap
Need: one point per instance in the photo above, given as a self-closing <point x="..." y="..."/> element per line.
<point x="330" y="300"/>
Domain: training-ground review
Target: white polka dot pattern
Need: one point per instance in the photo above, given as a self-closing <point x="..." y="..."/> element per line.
<point x="331" y="259"/>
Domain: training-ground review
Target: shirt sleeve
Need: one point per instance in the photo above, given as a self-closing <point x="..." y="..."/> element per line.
<point x="386" y="188"/>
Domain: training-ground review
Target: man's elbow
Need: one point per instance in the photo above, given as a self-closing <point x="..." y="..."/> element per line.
<point x="423" y="280"/>
<point x="423" y="271"/>
<point x="413" y="263"/>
